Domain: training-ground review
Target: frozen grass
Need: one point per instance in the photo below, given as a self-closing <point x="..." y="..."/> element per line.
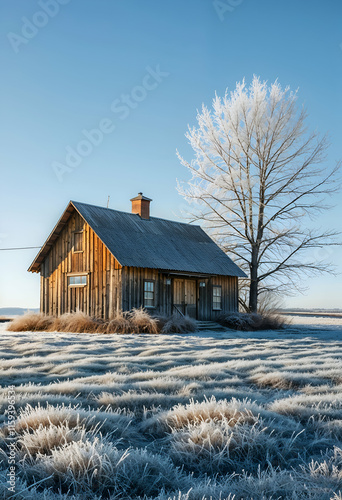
<point x="206" y="416"/>
<point x="252" y="322"/>
<point x="177" y="324"/>
<point x="135" y="321"/>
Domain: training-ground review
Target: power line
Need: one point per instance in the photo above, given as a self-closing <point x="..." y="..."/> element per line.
<point x="18" y="248"/>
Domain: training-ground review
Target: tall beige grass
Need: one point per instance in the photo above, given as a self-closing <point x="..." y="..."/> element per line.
<point x="135" y="321"/>
<point x="31" y="322"/>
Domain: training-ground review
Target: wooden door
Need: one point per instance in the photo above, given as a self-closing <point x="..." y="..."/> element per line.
<point x="190" y="298"/>
<point x="185" y="297"/>
<point x="178" y="296"/>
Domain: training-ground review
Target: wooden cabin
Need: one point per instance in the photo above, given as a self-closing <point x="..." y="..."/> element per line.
<point x="103" y="261"/>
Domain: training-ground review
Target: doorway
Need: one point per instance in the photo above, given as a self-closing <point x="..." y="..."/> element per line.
<point x="185" y="296"/>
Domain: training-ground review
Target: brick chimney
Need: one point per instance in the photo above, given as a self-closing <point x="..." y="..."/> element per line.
<point x="141" y="206"/>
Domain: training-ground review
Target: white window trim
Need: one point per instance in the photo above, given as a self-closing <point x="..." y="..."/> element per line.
<point x="81" y="273"/>
<point x="77" y="285"/>
<point x="217" y="308"/>
<point x="154" y="293"/>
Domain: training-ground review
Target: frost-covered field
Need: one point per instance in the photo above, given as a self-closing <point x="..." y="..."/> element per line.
<point x="208" y="415"/>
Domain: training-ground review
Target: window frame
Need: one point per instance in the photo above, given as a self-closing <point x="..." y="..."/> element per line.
<point x="218" y="287"/>
<point x="76" y="275"/>
<point x="73" y="241"/>
<point x="149" y="291"/>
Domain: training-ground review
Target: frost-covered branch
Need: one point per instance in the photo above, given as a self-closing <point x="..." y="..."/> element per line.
<point x="256" y="174"/>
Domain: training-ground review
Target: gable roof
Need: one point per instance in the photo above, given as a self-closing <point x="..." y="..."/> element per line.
<point x="153" y="243"/>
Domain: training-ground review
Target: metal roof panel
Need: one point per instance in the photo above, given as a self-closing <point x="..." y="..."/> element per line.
<point x="157" y="243"/>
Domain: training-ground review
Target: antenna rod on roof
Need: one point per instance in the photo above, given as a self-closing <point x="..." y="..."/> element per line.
<point x="108" y="201"/>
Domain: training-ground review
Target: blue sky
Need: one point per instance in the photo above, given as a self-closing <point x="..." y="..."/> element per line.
<point x="139" y="70"/>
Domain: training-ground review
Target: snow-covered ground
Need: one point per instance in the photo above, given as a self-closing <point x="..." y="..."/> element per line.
<point x="207" y="415"/>
<point x="332" y="321"/>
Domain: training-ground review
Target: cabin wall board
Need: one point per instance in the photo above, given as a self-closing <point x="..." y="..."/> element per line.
<point x="229" y="286"/>
<point x="133" y="289"/>
<point x="101" y="296"/>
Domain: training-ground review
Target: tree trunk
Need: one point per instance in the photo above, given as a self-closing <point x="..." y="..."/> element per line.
<point x="253" y="288"/>
<point x="253" y="296"/>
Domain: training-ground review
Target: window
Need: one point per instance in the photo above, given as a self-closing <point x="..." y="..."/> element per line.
<point x="78" y="242"/>
<point x="148" y="293"/>
<point x="77" y="280"/>
<point x="217" y="298"/>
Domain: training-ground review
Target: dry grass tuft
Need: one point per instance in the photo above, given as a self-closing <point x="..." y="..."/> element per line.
<point x="177" y="324"/>
<point x="76" y="323"/>
<point x="44" y="439"/>
<point x="31" y="419"/>
<point x="119" y="324"/>
<point x="142" y="322"/>
<point x="195" y="413"/>
<point x="276" y="380"/>
<point x="87" y="465"/>
<point x="217" y="447"/>
<point x="135" y="321"/>
<point x="70" y="322"/>
<point x="31" y="323"/>
<point x="252" y="322"/>
<point x="75" y="459"/>
<point x="220" y="437"/>
<point x="209" y="410"/>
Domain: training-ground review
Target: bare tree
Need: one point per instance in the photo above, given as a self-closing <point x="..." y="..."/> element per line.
<point x="258" y="179"/>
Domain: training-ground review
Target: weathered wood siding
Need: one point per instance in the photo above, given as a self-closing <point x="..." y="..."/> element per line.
<point x="229" y="286"/>
<point x="168" y="295"/>
<point x="101" y="297"/>
<point x="133" y="289"/>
